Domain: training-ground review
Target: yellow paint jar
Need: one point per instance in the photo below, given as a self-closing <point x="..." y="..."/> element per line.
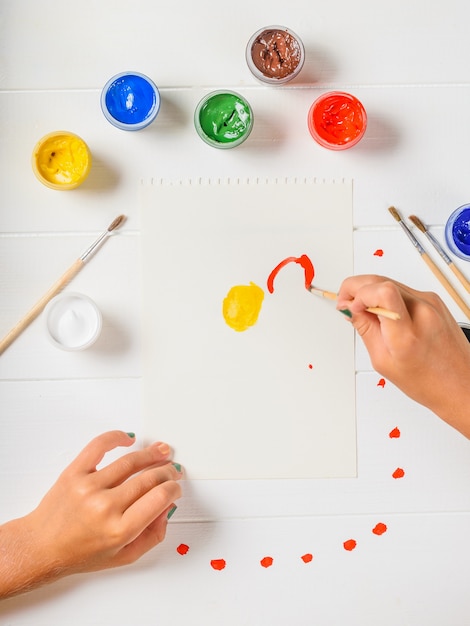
<point x="61" y="160"/>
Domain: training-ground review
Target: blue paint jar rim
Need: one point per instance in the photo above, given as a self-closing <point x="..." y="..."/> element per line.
<point x="148" y="116"/>
<point x="455" y="243"/>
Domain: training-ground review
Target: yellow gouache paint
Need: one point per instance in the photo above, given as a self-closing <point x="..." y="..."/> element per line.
<point x="61" y="160"/>
<point x="242" y="305"/>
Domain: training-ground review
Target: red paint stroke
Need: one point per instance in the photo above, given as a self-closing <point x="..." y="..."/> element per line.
<point x="182" y="549"/>
<point x="379" y="529"/>
<point x="303" y="260"/>
<point x="267" y="561"/>
<point x="395" y="433"/>
<point x="218" y="564"/>
<point x="310" y="366"/>
<point x="398" y="473"/>
<point x="350" y="544"/>
<point x="307" y="558"/>
<point x="381" y="383"/>
<point x="379" y="252"/>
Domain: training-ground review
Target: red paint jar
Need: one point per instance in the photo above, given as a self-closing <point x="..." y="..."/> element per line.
<point x="337" y="120"/>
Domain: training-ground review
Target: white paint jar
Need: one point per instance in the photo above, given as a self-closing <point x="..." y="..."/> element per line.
<point x="73" y="321"/>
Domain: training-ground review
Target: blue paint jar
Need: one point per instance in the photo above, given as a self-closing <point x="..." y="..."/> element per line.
<point x="130" y="101"/>
<point x="457" y="232"/>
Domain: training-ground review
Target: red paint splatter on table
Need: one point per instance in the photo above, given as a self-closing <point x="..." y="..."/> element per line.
<point x="381" y="383"/>
<point x="218" y="564"/>
<point x="182" y="549"/>
<point x="267" y="561"/>
<point x="398" y="473"/>
<point x="379" y="252"/>
<point x="395" y="433"/>
<point x="350" y="544"/>
<point x="302" y="260"/>
<point x="307" y="558"/>
<point x="379" y="529"/>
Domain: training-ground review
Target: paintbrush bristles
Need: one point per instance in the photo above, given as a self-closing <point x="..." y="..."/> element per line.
<point x="395" y="213"/>
<point x="418" y="223"/>
<point x="116" y="223"/>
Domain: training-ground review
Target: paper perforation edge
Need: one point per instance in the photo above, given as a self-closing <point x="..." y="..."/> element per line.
<point x="242" y="181"/>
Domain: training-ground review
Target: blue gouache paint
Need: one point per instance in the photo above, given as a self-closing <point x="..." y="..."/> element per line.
<point x="130" y="101"/>
<point x="457" y="232"/>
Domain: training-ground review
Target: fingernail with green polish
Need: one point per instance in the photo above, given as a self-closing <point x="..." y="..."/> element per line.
<point x="346" y="312"/>
<point x="131" y="435"/>
<point x="177" y="466"/>
<point x="171" y="511"/>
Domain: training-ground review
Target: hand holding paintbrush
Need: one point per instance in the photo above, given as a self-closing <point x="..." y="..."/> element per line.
<point x="376" y="310"/>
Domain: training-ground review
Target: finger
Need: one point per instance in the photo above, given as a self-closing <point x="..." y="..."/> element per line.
<point x="135" y="488"/>
<point x="145" y="510"/>
<point x="148" y="539"/>
<point x="120" y="470"/>
<point x="351" y="285"/>
<point x="381" y="335"/>
<point x="93" y="453"/>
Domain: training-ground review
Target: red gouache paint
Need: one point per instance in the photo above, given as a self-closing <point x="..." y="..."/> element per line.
<point x="302" y="260"/>
<point x="379" y="252"/>
<point x="310" y="366"/>
<point x="337" y="120"/>
<point x="350" y="544"/>
<point x="395" y="433"/>
<point x="267" y="561"/>
<point x="218" y="564"/>
<point x="182" y="549"/>
<point x="379" y="529"/>
<point x="307" y="558"/>
<point x="381" y="383"/>
<point x="398" y="473"/>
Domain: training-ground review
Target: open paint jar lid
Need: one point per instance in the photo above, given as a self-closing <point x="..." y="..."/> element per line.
<point x="73" y="321"/>
<point x="130" y="101"/>
<point x="275" y="55"/>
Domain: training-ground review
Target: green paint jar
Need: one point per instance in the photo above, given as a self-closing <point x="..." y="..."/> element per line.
<point x="223" y="119"/>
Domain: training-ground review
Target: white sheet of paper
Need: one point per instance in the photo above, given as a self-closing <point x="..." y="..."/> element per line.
<point x="274" y="401"/>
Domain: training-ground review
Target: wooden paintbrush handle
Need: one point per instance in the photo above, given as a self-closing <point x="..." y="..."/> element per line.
<point x="40" y="304"/>
<point x="460" y="276"/>
<point x="446" y="284"/>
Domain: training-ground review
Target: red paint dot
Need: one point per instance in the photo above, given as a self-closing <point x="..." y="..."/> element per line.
<point x="350" y="544"/>
<point x="379" y="529"/>
<point x="310" y="366"/>
<point x="218" y="564"/>
<point x="398" y="473"/>
<point x="381" y="383"/>
<point x="395" y="433"/>
<point x="307" y="558"/>
<point x="379" y="252"/>
<point x="182" y="549"/>
<point x="267" y="561"/>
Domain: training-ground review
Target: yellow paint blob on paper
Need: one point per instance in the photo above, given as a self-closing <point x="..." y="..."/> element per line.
<point x="61" y="160"/>
<point x="242" y="305"/>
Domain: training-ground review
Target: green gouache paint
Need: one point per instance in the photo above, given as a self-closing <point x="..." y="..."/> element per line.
<point x="223" y="119"/>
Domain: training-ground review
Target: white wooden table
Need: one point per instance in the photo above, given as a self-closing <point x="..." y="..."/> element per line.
<point x="408" y="64"/>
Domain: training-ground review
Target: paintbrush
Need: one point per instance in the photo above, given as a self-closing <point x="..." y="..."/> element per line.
<point x="444" y="256"/>
<point x="377" y="310"/>
<point x="59" y="284"/>
<point x="430" y="263"/>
